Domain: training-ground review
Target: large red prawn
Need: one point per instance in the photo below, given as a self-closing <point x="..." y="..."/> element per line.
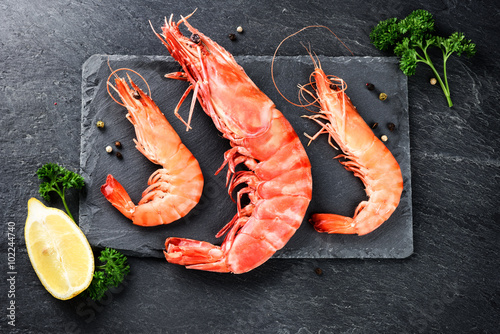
<point x="278" y="180"/>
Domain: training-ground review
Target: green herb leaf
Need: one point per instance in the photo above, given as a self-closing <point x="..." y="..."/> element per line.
<point x="58" y="179"/>
<point x="110" y="274"/>
<point x="97" y="288"/>
<point x="385" y="34"/>
<point x="412" y="36"/>
<point x="408" y="63"/>
<point x="417" y="25"/>
<point x="115" y="266"/>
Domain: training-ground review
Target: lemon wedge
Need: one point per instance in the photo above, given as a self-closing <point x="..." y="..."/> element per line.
<point x="58" y="250"/>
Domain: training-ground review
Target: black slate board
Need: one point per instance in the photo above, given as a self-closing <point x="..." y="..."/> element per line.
<point x="335" y="190"/>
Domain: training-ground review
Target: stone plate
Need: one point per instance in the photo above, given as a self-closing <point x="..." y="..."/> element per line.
<point x="335" y="190"/>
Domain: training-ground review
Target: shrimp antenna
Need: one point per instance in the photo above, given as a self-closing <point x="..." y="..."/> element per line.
<point x="316" y="61"/>
<point x="289" y="36"/>
<point x="113" y="73"/>
<point x="184" y="19"/>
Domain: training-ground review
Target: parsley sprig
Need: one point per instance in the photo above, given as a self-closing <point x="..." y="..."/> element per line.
<point x="110" y="274"/>
<point x="58" y="179"/>
<point x="410" y="39"/>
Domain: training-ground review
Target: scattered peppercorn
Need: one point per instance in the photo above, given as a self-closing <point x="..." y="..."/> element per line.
<point x="433" y="81"/>
<point x="55" y="103"/>
<point x="318" y="271"/>
<point x="239" y="29"/>
<point x="100" y="124"/>
<point x="370" y="86"/>
<point x="119" y="155"/>
<point x="232" y="37"/>
<point x="382" y="96"/>
<point x="391" y="126"/>
<point x="118" y="144"/>
<point x="195" y="38"/>
<point x="109" y="149"/>
<point x="374" y="125"/>
<point x="383" y="138"/>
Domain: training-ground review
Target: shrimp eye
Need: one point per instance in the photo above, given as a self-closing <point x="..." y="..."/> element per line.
<point x="195" y="38"/>
<point x="334" y="87"/>
<point x="136" y="95"/>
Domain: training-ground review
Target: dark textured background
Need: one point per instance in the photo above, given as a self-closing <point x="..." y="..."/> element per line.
<point x="451" y="282"/>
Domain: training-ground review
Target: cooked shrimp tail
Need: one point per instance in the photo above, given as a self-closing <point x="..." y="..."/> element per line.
<point x="118" y="196"/>
<point x="332" y="223"/>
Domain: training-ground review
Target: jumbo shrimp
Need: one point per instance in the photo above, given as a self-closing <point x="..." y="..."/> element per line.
<point x="174" y="189"/>
<point x="277" y="178"/>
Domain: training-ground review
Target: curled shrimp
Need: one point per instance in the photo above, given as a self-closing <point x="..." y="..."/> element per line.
<point x="277" y="179"/>
<point x="363" y="154"/>
<point x="174" y="189"/>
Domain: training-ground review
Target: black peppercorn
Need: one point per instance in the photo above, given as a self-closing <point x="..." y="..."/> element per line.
<point x="118" y="144"/>
<point x="232" y="37"/>
<point x="119" y="155"/>
<point x="195" y="38"/>
<point x="370" y="86"/>
<point x="318" y="271"/>
<point x="391" y="126"/>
